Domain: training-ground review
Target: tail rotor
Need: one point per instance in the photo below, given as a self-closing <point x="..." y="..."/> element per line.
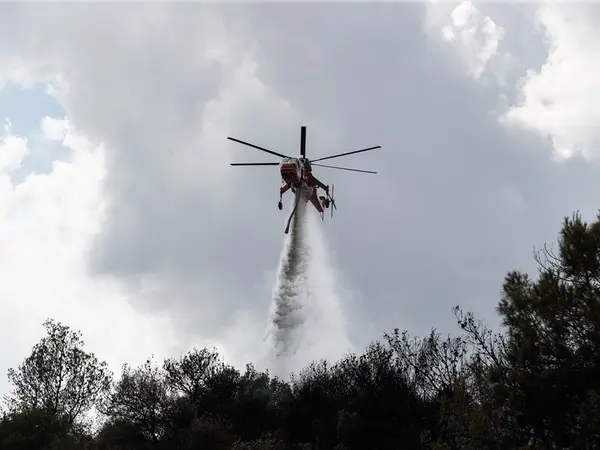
<point x="332" y="200"/>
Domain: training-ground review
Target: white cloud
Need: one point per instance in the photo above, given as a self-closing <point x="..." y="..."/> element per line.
<point x="55" y="129"/>
<point x="557" y="100"/>
<point x="560" y="100"/>
<point x="13" y="149"/>
<point x="46" y="224"/>
<point x="475" y="36"/>
<point x="164" y="108"/>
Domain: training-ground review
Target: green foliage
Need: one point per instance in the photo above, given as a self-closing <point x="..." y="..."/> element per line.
<point x="141" y="399"/>
<point x="36" y="429"/>
<point x="534" y="385"/>
<point x="58" y="377"/>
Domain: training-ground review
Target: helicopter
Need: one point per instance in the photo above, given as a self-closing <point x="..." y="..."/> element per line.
<point x="297" y="175"/>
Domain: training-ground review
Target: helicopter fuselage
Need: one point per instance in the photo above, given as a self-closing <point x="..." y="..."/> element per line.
<point x="297" y="174"/>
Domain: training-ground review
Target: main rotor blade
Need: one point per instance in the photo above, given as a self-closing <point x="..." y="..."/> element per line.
<point x="254" y="164"/>
<point x="343" y="168"/>
<point x="348" y="153"/>
<point x="259" y="148"/>
<point x="303" y="141"/>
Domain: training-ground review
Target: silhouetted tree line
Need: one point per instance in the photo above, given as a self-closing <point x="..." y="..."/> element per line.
<point x="535" y="385"/>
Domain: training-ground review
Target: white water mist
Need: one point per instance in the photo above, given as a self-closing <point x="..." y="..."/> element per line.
<point x="307" y="321"/>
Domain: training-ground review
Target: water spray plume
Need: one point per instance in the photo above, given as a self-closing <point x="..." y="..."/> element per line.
<point x="290" y="288"/>
<point x="306" y="318"/>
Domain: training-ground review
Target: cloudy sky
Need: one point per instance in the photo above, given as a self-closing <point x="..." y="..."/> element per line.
<point x="121" y="217"/>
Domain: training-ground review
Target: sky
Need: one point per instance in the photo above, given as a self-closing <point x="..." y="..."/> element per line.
<point x="121" y="217"/>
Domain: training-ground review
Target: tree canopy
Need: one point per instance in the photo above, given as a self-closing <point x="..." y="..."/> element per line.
<point x="534" y="385"/>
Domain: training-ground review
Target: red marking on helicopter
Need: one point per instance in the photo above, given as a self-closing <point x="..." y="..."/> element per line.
<point x="296" y="174"/>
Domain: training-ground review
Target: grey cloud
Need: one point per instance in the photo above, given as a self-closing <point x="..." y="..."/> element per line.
<point x="143" y="91"/>
<point x="439" y="226"/>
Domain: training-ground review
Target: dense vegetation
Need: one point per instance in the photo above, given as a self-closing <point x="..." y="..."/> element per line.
<point x="536" y="385"/>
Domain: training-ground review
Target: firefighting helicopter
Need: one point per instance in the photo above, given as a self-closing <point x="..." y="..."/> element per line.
<point x="296" y="174"/>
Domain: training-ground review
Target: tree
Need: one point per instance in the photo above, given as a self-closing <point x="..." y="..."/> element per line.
<point x="377" y="406"/>
<point x="58" y="377"/>
<point x="437" y="369"/>
<point x="259" y="405"/>
<point x="543" y="372"/>
<point x="431" y="365"/>
<point x="35" y="429"/>
<point x="206" y="381"/>
<point x="140" y="400"/>
<point x="552" y="340"/>
<point x="190" y="374"/>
